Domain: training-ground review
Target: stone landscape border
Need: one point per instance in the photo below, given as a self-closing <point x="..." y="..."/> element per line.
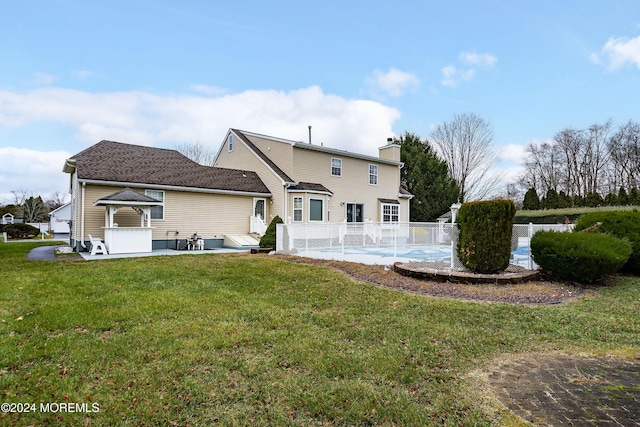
<point x="447" y="275"/>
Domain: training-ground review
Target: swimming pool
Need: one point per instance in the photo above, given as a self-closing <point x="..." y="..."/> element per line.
<point x="388" y="255"/>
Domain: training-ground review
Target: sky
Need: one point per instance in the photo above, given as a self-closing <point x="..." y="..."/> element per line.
<point x="163" y="73"/>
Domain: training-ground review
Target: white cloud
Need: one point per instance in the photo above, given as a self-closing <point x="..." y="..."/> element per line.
<point x="453" y="75"/>
<point x="513" y="153"/>
<point x="43" y="79"/>
<point x="392" y="83"/>
<point x="34" y="171"/>
<point x="482" y="60"/>
<point x="617" y="52"/>
<point x="166" y="120"/>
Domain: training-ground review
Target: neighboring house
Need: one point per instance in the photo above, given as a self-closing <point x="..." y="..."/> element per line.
<point x="59" y="219"/>
<point x="129" y="190"/>
<point x="316" y="184"/>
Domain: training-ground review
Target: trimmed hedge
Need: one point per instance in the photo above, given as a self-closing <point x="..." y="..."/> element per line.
<point x="20" y="230"/>
<point x="523" y="218"/>
<point x="484" y="245"/>
<point x="621" y="224"/>
<point x="269" y="238"/>
<point x="581" y="257"/>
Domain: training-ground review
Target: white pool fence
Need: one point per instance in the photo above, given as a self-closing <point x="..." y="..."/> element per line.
<point x="424" y="241"/>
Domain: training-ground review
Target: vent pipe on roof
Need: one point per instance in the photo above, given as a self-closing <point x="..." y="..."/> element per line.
<point x="309" y="134"/>
<point x="389" y="141"/>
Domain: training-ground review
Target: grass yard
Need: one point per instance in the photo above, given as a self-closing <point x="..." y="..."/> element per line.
<point x="253" y="340"/>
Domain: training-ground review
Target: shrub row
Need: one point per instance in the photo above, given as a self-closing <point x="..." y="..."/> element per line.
<point x="484" y="245"/>
<point x="582" y="257"/>
<point x="621" y="224"/>
<point x="20" y="230"/>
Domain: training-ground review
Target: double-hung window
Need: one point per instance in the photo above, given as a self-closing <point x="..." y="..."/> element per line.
<point x="390" y="213"/>
<point x="373" y="174"/>
<point x="157" y="212"/>
<point x="230" y="143"/>
<point x="336" y="167"/>
<point x="316" y="210"/>
<point x="297" y="209"/>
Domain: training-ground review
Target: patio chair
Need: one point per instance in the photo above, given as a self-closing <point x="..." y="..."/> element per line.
<point x="97" y="245"/>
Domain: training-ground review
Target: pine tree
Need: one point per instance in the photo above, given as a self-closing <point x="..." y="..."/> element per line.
<point x="426" y="177"/>
<point x="531" y="200"/>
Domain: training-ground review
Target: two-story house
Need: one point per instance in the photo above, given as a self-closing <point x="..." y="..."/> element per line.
<point x="141" y="198"/>
<point x="311" y="183"/>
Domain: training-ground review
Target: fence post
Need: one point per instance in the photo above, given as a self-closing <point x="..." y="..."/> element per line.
<point x="530" y="235"/>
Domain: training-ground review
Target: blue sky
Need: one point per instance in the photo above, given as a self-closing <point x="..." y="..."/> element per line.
<point x="161" y="73"/>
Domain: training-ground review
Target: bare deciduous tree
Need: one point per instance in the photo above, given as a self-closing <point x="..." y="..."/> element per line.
<point x="624" y="148"/>
<point x="466" y="145"/>
<point x="197" y="152"/>
<point x="582" y="162"/>
<point x="56" y="200"/>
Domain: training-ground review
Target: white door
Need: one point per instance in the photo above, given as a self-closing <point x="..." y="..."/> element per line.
<point x="259" y="208"/>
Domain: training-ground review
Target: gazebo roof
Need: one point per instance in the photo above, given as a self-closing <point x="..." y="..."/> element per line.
<point x="127" y="197"/>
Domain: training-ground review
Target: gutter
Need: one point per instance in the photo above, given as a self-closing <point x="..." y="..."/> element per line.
<point x="173" y="187"/>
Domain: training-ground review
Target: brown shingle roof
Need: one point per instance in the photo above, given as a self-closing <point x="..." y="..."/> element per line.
<point x="310" y="186"/>
<point x="127" y="163"/>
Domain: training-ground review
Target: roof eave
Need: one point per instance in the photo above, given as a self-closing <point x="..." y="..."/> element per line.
<point x="176" y="188"/>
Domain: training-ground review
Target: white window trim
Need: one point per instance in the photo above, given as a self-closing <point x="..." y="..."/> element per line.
<point x="373" y="174"/>
<point x="230" y="143"/>
<point x="391" y="214"/>
<point x="337" y="167"/>
<point x="321" y="212"/>
<point x="301" y="209"/>
<point x="147" y="193"/>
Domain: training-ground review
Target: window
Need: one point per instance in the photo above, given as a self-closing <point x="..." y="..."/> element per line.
<point x="390" y="213"/>
<point x="157" y="212"/>
<point x="297" y="209"/>
<point x="373" y="174"/>
<point x="230" y="143"/>
<point x="336" y="167"/>
<point x="315" y="210"/>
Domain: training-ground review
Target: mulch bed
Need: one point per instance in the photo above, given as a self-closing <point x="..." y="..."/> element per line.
<point x="539" y="291"/>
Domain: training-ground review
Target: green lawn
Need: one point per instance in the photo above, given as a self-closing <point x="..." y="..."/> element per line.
<point x="252" y="340"/>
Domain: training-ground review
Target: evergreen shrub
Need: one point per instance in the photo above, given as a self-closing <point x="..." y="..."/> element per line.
<point x="269" y="238"/>
<point x="484" y="245"/>
<point x="20" y="230"/>
<point x="581" y="257"/>
<point x="621" y="224"/>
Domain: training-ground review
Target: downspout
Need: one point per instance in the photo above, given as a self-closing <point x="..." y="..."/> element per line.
<point x="82" y="217"/>
<point x="286" y="203"/>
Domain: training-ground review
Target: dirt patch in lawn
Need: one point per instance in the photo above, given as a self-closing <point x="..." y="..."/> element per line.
<point x="540" y="291"/>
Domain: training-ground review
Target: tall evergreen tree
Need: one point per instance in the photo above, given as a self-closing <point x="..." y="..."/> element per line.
<point x="623" y="198"/>
<point x="552" y="199"/>
<point x="531" y="200"/>
<point x="427" y="177"/>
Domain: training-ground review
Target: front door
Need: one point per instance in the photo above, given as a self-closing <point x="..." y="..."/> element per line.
<point x="259" y="207"/>
<point x="355" y="212"/>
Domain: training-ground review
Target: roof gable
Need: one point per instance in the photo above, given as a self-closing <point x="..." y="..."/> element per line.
<point x="266" y="159"/>
<point x="134" y="164"/>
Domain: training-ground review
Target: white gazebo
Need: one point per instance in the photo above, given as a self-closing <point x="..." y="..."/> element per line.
<point x="124" y="240"/>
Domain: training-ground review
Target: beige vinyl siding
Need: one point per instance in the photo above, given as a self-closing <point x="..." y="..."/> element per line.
<point x="242" y="158"/>
<point x="281" y="153"/>
<point x="353" y="186"/>
<point x="210" y="215"/>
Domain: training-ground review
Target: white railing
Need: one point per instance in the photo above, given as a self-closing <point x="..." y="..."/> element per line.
<point x="383" y="243"/>
<point x="257" y="225"/>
